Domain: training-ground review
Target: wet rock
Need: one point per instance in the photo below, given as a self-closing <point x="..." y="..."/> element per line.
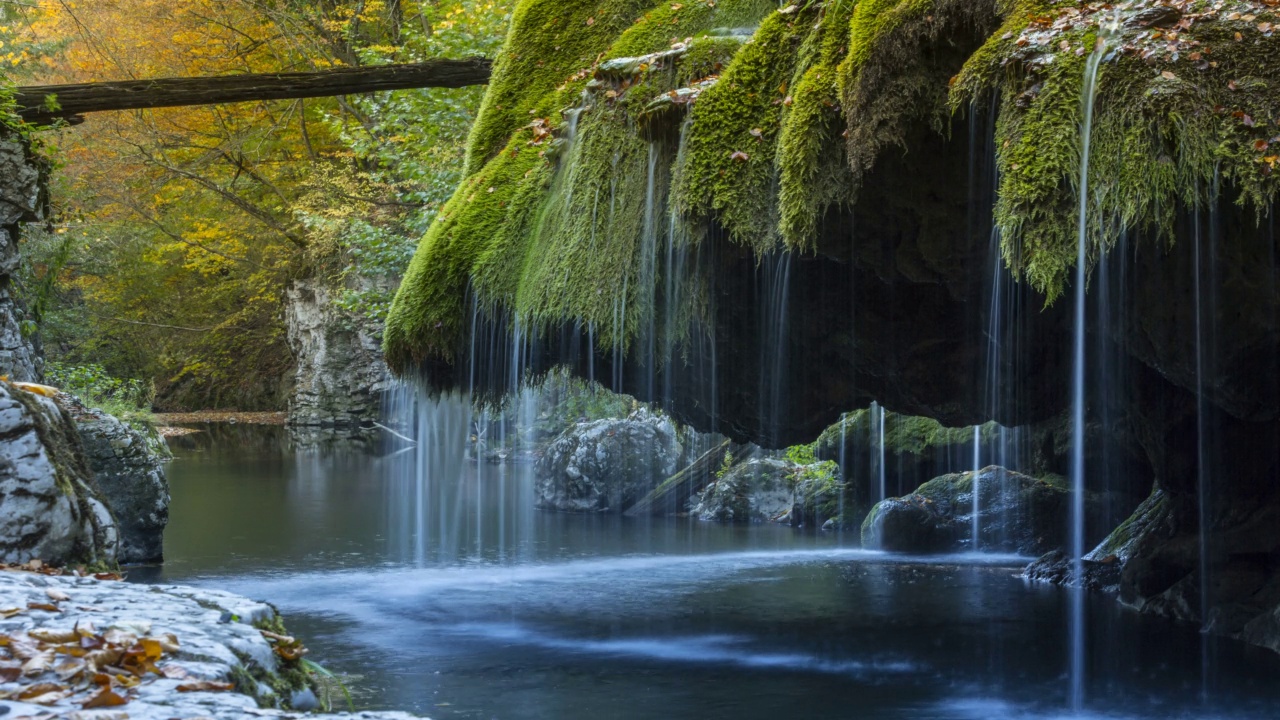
<point x="340" y="374"/>
<point x="1016" y="513"/>
<point x="208" y="650"/>
<point x="607" y="465"/>
<point x="128" y="467"/>
<point x="756" y="490"/>
<point x="21" y="200"/>
<point x="50" y="507"/>
<point x="771" y="489"/>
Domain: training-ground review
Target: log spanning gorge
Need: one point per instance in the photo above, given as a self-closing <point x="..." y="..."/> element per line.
<point x="1052" y="216"/>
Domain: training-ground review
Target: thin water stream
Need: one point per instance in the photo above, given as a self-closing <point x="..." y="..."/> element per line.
<point x="472" y="606"/>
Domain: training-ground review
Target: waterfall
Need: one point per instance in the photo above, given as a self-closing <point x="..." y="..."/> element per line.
<point x="977" y="480"/>
<point x="1089" y="90"/>
<point x="881" y="492"/>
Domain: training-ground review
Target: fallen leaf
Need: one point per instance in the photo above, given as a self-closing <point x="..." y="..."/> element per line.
<point x="175" y="672"/>
<point x="206" y="686"/>
<point x="739" y="156"/>
<point x="38" y="663"/>
<point x="56" y="595"/>
<point x="789" y="9"/>
<point x="591" y="21"/>
<point x="104" y="698"/>
<point x="43" y="606"/>
<point x="1261" y="145"/>
<point x="38" y="689"/>
<point x="1167" y="75"/>
<point x="757" y="133"/>
<point x="54" y="636"/>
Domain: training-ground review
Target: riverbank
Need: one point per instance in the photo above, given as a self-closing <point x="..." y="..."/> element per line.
<point x="105" y="648"/>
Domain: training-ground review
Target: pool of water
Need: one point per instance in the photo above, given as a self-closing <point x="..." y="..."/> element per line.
<point x="456" y="599"/>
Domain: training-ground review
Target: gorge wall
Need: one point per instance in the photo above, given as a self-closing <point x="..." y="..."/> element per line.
<point x="340" y="375"/>
<point x="22" y="199"/>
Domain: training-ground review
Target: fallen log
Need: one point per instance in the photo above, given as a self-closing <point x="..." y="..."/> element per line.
<point x="46" y="103"/>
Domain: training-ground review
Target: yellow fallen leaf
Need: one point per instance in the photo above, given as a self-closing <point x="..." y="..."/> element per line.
<point x="37" y="389"/>
<point x="105" y="698"/>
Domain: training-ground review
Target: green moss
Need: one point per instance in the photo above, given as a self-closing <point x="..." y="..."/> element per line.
<point x="668" y="23"/>
<point x="1169" y="131"/>
<point x="903" y="434"/>
<point x="482" y="225"/>
<point x="550" y="42"/>
<point x="810" y="176"/>
<point x="729" y="168"/>
<point x="889" y="79"/>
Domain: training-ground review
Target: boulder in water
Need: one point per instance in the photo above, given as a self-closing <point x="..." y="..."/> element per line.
<point x="1016" y="513"/>
<point x="763" y="489"/>
<point x="607" y="465"/>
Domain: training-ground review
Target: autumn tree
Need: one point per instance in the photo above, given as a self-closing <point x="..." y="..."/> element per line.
<point x="179" y="229"/>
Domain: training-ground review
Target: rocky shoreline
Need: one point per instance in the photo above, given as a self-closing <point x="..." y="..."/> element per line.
<point x="86" y="648"/>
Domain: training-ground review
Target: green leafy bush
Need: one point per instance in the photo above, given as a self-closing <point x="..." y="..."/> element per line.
<point x="126" y="399"/>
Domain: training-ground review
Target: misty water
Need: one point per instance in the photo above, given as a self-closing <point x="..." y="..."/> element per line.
<point x="459" y="600"/>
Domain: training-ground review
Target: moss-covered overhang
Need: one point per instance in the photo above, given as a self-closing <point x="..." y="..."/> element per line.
<point x="779" y="123"/>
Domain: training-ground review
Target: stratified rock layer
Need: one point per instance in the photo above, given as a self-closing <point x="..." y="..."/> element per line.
<point x="50" y="507"/>
<point x="128" y="468"/>
<point x="21" y="199"/>
<point x="340" y="374"/>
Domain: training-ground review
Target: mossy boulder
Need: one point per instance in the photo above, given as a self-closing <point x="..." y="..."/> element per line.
<point x="1015" y="513"/>
<point x="764" y="488"/>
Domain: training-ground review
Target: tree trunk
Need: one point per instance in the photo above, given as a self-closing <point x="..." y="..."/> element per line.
<point x="71" y="101"/>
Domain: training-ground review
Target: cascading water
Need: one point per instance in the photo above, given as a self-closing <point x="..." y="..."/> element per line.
<point x="977" y="487"/>
<point x="1077" y="618"/>
<point x="881" y="491"/>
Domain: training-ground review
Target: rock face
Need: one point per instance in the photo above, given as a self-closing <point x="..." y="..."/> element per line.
<point x="128" y="466"/>
<point x="1016" y="513"/>
<point x="766" y="489"/>
<point x="50" y="507"/>
<point x="21" y="200"/>
<point x="607" y="465"/>
<point x="218" y="640"/>
<point x="340" y="373"/>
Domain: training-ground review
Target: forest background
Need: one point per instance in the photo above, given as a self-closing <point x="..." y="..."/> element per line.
<point x="160" y="276"/>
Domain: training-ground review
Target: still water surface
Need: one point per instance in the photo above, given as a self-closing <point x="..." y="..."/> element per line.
<point x="457" y="600"/>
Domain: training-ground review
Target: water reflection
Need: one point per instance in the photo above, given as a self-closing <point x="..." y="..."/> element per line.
<point x="476" y="608"/>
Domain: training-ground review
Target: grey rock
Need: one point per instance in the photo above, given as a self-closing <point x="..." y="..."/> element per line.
<point x="128" y="465"/>
<point x="340" y="374"/>
<point x="607" y="465"/>
<point x="208" y="649"/>
<point x="756" y="490"/>
<point x="21" y="200"/>
<point x="1016" y="513"/>
<point x="50" y="508"/>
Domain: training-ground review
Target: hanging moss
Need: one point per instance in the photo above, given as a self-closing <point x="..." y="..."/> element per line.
<point x="810" y="176"/>
<point x="729" y="168"/>
<point x="889" y="79"/>
<point x="554" y="228"/>
<point x="1181" y="113"/>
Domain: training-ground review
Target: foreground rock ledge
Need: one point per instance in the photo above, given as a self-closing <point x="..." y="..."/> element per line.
<point x="212" y="646"/>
